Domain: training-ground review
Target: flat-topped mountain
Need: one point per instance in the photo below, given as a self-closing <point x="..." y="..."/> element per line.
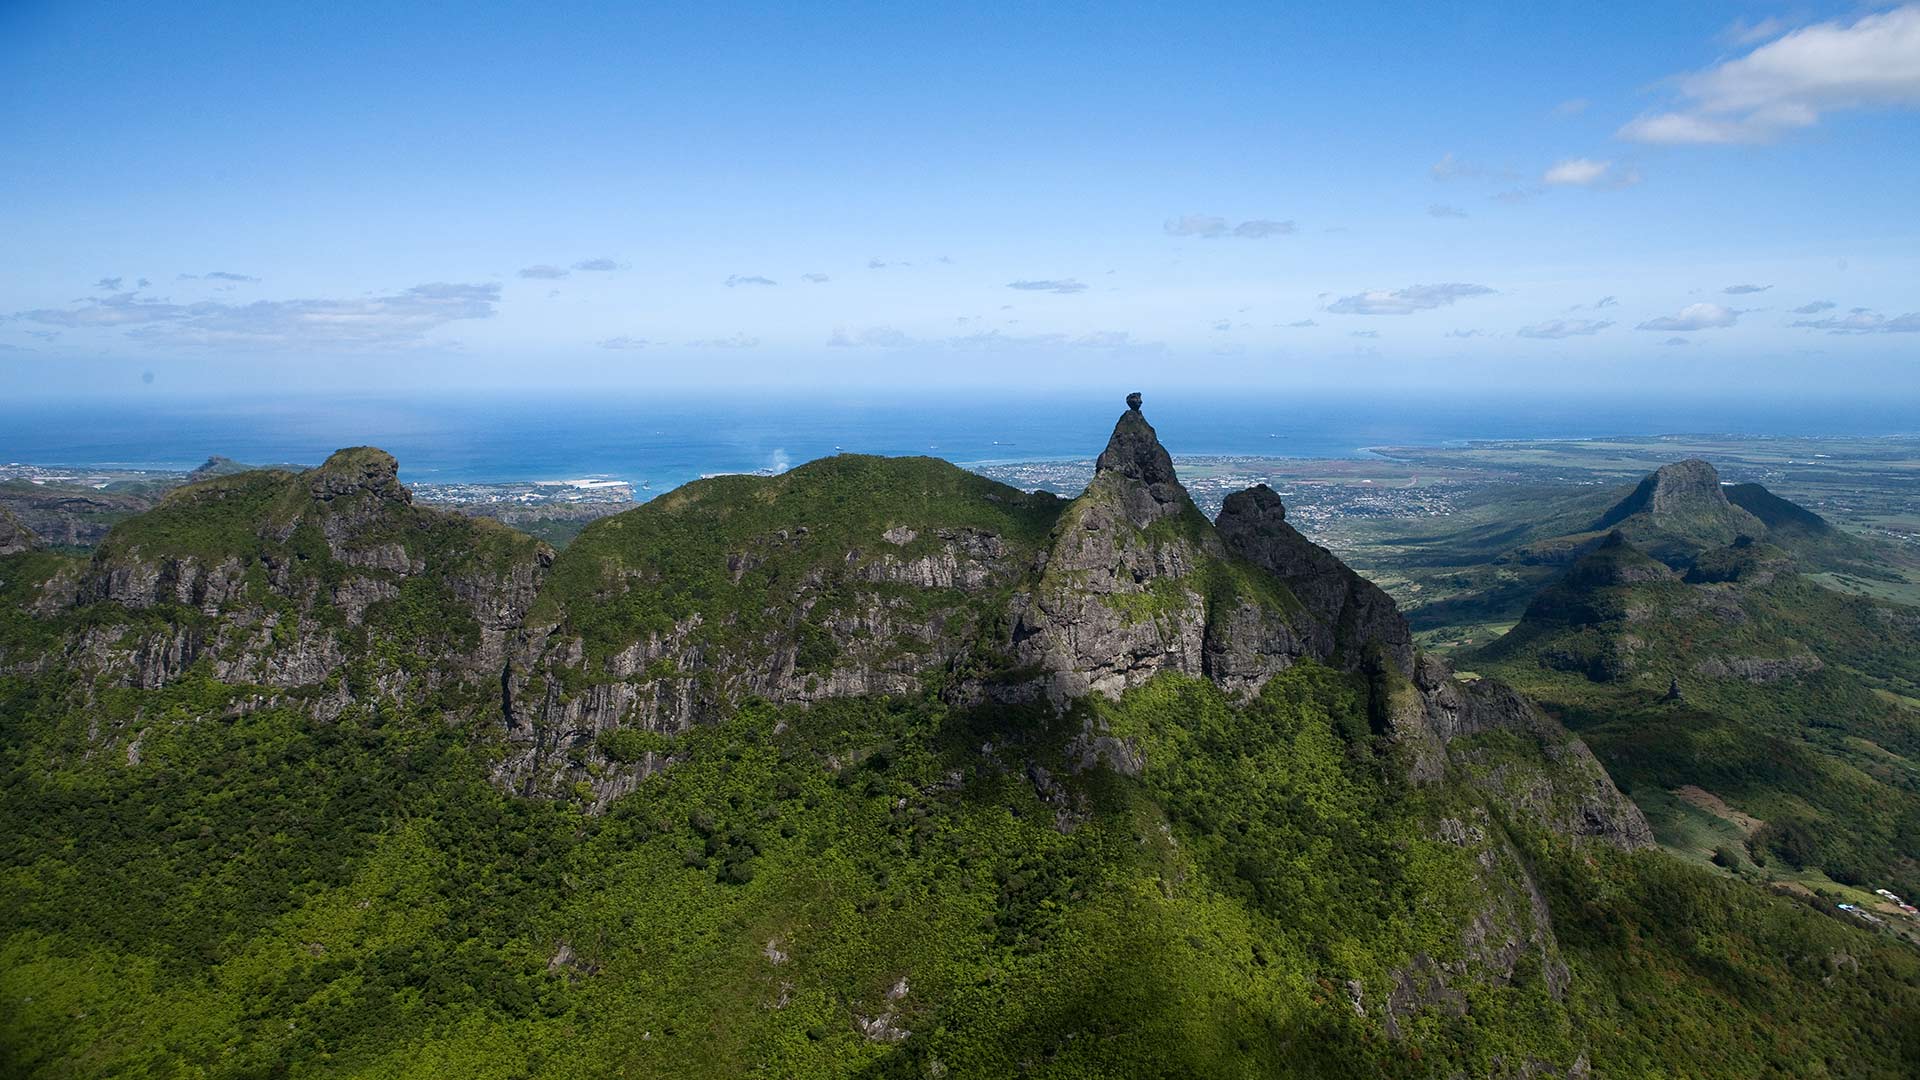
<point x="872" y="768"/>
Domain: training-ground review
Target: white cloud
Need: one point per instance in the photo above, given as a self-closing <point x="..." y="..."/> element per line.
<point x="1405" y="301"/>
<point x="1572" y="107"/>
<point x="1555" y="329"/>
<point x="1865" y="321"/>
<point x="601" y="265"/>
<point x="1209" y="227"/>
<point x="1442" y="210"/>
<point x="396" y="319"/>
<point x="887" y="337"/>
<point x="1745" y="290"/>
<point x="1586" y="172"/>
<point x="736" y="280"/>
<point x="732" y="341"/>
<point x="1815" y="307"/>
<point x="1742" y="32"/>
<point x="543" y="273"/>
<point x="1302" y="323"/>
<point x="1676" y="341"/>
<point x="1580" y="171"/>
<point x="1064" y="285"/>
<point x="1788" y="83"/>
<point x="815" y="279"/>
<point x="883" y="337"/>
<point x="1694" y="317"/>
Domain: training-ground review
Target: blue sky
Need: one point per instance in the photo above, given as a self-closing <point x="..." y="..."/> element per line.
<point x="1562" y="197"/>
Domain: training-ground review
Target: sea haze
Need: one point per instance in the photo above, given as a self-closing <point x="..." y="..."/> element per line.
<point x="664" y="441"/>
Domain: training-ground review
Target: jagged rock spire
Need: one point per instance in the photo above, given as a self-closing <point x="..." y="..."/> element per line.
<point x="1136" y="466"/>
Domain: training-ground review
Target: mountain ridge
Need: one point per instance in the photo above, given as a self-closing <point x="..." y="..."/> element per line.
<point x="875" y="767"/>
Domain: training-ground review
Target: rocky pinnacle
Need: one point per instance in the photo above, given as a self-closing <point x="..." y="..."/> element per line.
<point x="1135" y="464"/>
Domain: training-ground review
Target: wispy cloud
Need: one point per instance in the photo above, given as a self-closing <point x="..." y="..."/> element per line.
<point x="1555" y="329"/>
<point x="731" y="341"/>
<point x="1815" y="307"/>
<point x="1745" y="290"/>
<point x="1064" y="285"/>
<point x="1468" y="333"/>
<point x="1451" y="167"/>
<point x="1742" y="32"/>
<point x="1588" y="173"/>
<point x="1300" y="324"/>
<point x="1406" y="301"/>
<point x="815" y="279"/>
<point x="624" y="342"/>
<point x="1442" y="210"/>
<point x="1209" y="227"/>
<point x="879" y="337"/>
<point x="1694" y="317"/>
<point x="1865" y="321"/>
<point x="1572" y="107"/>
<point x="109" y="284"/>
<point x="887" y="337"/>
<point x="737" y="280"/>
<point x="598" y="266"/>
<point x="212" y="275"/>
<point x="543" y="272"/>
<point x="1790" y="82"/>
<point x="1676" y="342"/>
<point x="373" y="322"/>
<point x="1363" y="333"/>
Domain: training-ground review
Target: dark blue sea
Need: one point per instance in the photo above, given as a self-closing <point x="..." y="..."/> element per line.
<point x="667" y="440"/>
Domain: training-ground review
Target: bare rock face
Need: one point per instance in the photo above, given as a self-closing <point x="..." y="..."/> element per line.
<point x="1570" y="793"/>
<point x="358" y="471"/>
<point x="1139" y="471"/>
<point x="1354" y="613"/>
<point x="1126" y="592"/>
<point x="1137" y="582"/>
<point x="15" y="537"/>
<point x="1681" y="504"/>
<point x="269" y="578"/>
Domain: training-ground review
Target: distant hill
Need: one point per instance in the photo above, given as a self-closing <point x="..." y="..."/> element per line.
<point x="1796" y="706"/>
<point x="1477" y="572"/>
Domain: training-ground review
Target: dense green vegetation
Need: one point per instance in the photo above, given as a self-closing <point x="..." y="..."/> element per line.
<point x="369" y="905"/>
<point x="735" y="549"/>
<point x="1794" y="705"/>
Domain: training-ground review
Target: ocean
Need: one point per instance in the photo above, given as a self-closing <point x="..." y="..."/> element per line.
<point x="666" y="440"/>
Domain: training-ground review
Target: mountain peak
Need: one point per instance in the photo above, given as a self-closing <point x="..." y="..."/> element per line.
<point x="1682" y="503"/>
<point x="359" y="469"/>
<point x="1136" y="463"/>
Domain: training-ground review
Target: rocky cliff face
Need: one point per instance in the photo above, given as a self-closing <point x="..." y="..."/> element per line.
<point x="15" y="537"/>
<point x="1354" y="618"/>
<point x="326" y="587"/>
